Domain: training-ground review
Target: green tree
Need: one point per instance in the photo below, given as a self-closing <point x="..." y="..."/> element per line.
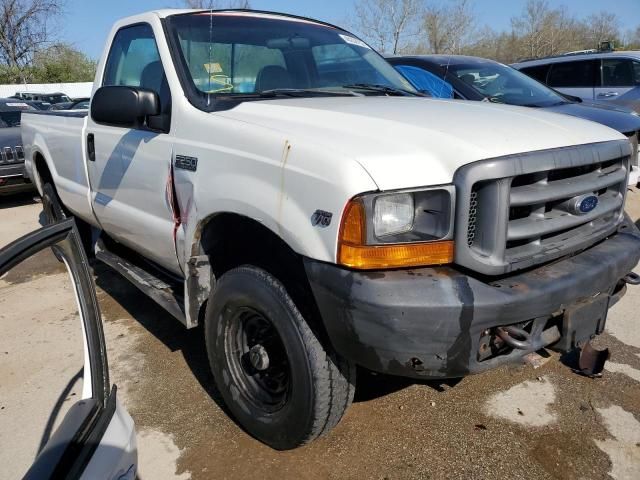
<point x="25" y="27"/>
<point x="61" y="63"/>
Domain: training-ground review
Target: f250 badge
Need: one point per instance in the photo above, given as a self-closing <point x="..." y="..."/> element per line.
<point x="321" y="219"/>
<point x="186" y="163"/>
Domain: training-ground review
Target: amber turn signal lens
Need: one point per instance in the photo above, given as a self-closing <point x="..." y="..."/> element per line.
<point x="353" y="228"/>
<point x="397" y="255"/>
<point x="353" y="253"/>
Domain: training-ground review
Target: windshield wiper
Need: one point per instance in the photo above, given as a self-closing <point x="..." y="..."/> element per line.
<point x="301" y="92"/>
<point x="382" y="89"/>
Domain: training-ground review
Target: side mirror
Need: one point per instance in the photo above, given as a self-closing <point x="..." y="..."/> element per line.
<point x="124" y="106"/>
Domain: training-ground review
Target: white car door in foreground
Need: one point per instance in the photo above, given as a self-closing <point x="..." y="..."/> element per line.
<point x="59" y="417"/>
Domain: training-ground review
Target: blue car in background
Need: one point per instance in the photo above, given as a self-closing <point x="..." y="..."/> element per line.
<point x="473" y="78"/>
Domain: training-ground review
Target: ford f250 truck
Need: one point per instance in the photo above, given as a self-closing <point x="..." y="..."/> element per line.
<point x="274" y="179"/>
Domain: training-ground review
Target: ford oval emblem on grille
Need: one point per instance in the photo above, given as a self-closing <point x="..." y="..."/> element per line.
<point x="581" y="205"/>
<point x="588" y="204"/>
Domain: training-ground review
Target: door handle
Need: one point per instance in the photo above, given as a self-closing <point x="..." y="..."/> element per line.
<point x="91" y="147"/>
<point x="607" y="94"/>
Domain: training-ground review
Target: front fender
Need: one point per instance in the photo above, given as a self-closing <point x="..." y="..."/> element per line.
<point x="284" y="202"/>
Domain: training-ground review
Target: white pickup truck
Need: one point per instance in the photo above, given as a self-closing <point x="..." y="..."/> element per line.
<point x="273" y="178"/>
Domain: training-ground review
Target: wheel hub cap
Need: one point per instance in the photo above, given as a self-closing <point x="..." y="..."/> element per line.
<point x="259" y="358"/>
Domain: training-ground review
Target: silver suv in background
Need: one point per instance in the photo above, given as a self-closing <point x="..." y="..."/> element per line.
<point x="602" y="77"/>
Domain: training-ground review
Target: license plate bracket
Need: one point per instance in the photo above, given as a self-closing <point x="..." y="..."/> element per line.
<point x="582" y="321"/>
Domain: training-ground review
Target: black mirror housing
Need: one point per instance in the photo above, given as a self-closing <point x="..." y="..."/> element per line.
<point x="124" y="106"/>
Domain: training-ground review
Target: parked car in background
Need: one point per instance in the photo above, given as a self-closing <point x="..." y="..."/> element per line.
<point x="610" y="77"/>
<point x="75" y="104"/>
<point x="37" y="104"/>
<point x="13" y="178"/>
<point x="51" y="98"/>
<point x="474" y="78"/>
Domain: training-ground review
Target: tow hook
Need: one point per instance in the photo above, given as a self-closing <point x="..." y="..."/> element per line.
<point x="519" y="339"/>
<point x="514" y="337"/>
<point x="632" y="278"/>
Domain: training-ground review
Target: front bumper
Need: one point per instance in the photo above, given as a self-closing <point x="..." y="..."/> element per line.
<point x="14" y="179"/>
<point x="430" y="322"/>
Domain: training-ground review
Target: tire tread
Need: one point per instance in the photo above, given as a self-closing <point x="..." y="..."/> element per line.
<point x="333" y="377"/>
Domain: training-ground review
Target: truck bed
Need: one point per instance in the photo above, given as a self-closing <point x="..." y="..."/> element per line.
<point x="57" y="137"/>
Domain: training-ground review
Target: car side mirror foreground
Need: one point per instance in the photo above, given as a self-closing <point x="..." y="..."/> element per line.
<point x="122" y="106"/>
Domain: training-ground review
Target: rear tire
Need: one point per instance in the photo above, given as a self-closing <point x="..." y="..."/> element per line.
<point x="51" y="205"/>
<point x="275" y="376"/>
<point x="54" y="211"/>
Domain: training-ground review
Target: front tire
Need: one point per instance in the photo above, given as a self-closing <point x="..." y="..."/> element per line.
<point x="275" y="376"/>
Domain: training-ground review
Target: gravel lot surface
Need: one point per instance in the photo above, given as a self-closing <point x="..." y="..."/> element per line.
<point x="513" y="422"/>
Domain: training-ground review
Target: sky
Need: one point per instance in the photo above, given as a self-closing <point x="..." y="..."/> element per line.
<point x="87" y="23"/>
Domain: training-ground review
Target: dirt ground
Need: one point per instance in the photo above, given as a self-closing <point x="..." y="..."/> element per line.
<point x="514" y="422"/>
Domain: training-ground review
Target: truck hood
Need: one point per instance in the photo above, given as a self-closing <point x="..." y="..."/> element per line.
<point x="408" y="142"/>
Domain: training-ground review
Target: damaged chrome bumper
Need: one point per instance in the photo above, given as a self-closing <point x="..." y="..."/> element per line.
<point x="441" y="323"/>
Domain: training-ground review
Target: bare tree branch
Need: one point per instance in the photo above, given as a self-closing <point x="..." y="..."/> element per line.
<point x="601" y="27"/>
<point x="24" y="29"/>
<point x="545" y="31"/>
<point x="388" y="24"/>
<point x="448" y="28"/>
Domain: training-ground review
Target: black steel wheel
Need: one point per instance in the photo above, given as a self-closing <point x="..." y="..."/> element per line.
<point x="257" y="358"/>
<point x="281" y="384"/>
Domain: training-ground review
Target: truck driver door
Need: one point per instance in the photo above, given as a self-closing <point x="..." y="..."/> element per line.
<point x="129" y="167"/>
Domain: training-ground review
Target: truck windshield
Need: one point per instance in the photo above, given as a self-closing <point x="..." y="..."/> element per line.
<point x="501" y="84"/>
<point x="243" y="54"/>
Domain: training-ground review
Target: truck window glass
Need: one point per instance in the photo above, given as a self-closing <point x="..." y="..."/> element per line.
<point x="620" y="72"/>
<point x="134" y="61"/>
<point x="228" y="67"/>
<point x="573" y="74"/>
<point x="133" y="50"/>
<point x="249" y="60"/>
<point x="227" y="54"/>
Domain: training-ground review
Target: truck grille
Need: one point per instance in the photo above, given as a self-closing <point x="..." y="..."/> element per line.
<point x="527" y="215"/>
<point x="473" y="218"/>
<point x="10" y="155"/>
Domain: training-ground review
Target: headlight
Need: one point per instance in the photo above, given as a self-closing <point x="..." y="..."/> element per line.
<point x="393" y="214"/>
<point x="400" y="229"/>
